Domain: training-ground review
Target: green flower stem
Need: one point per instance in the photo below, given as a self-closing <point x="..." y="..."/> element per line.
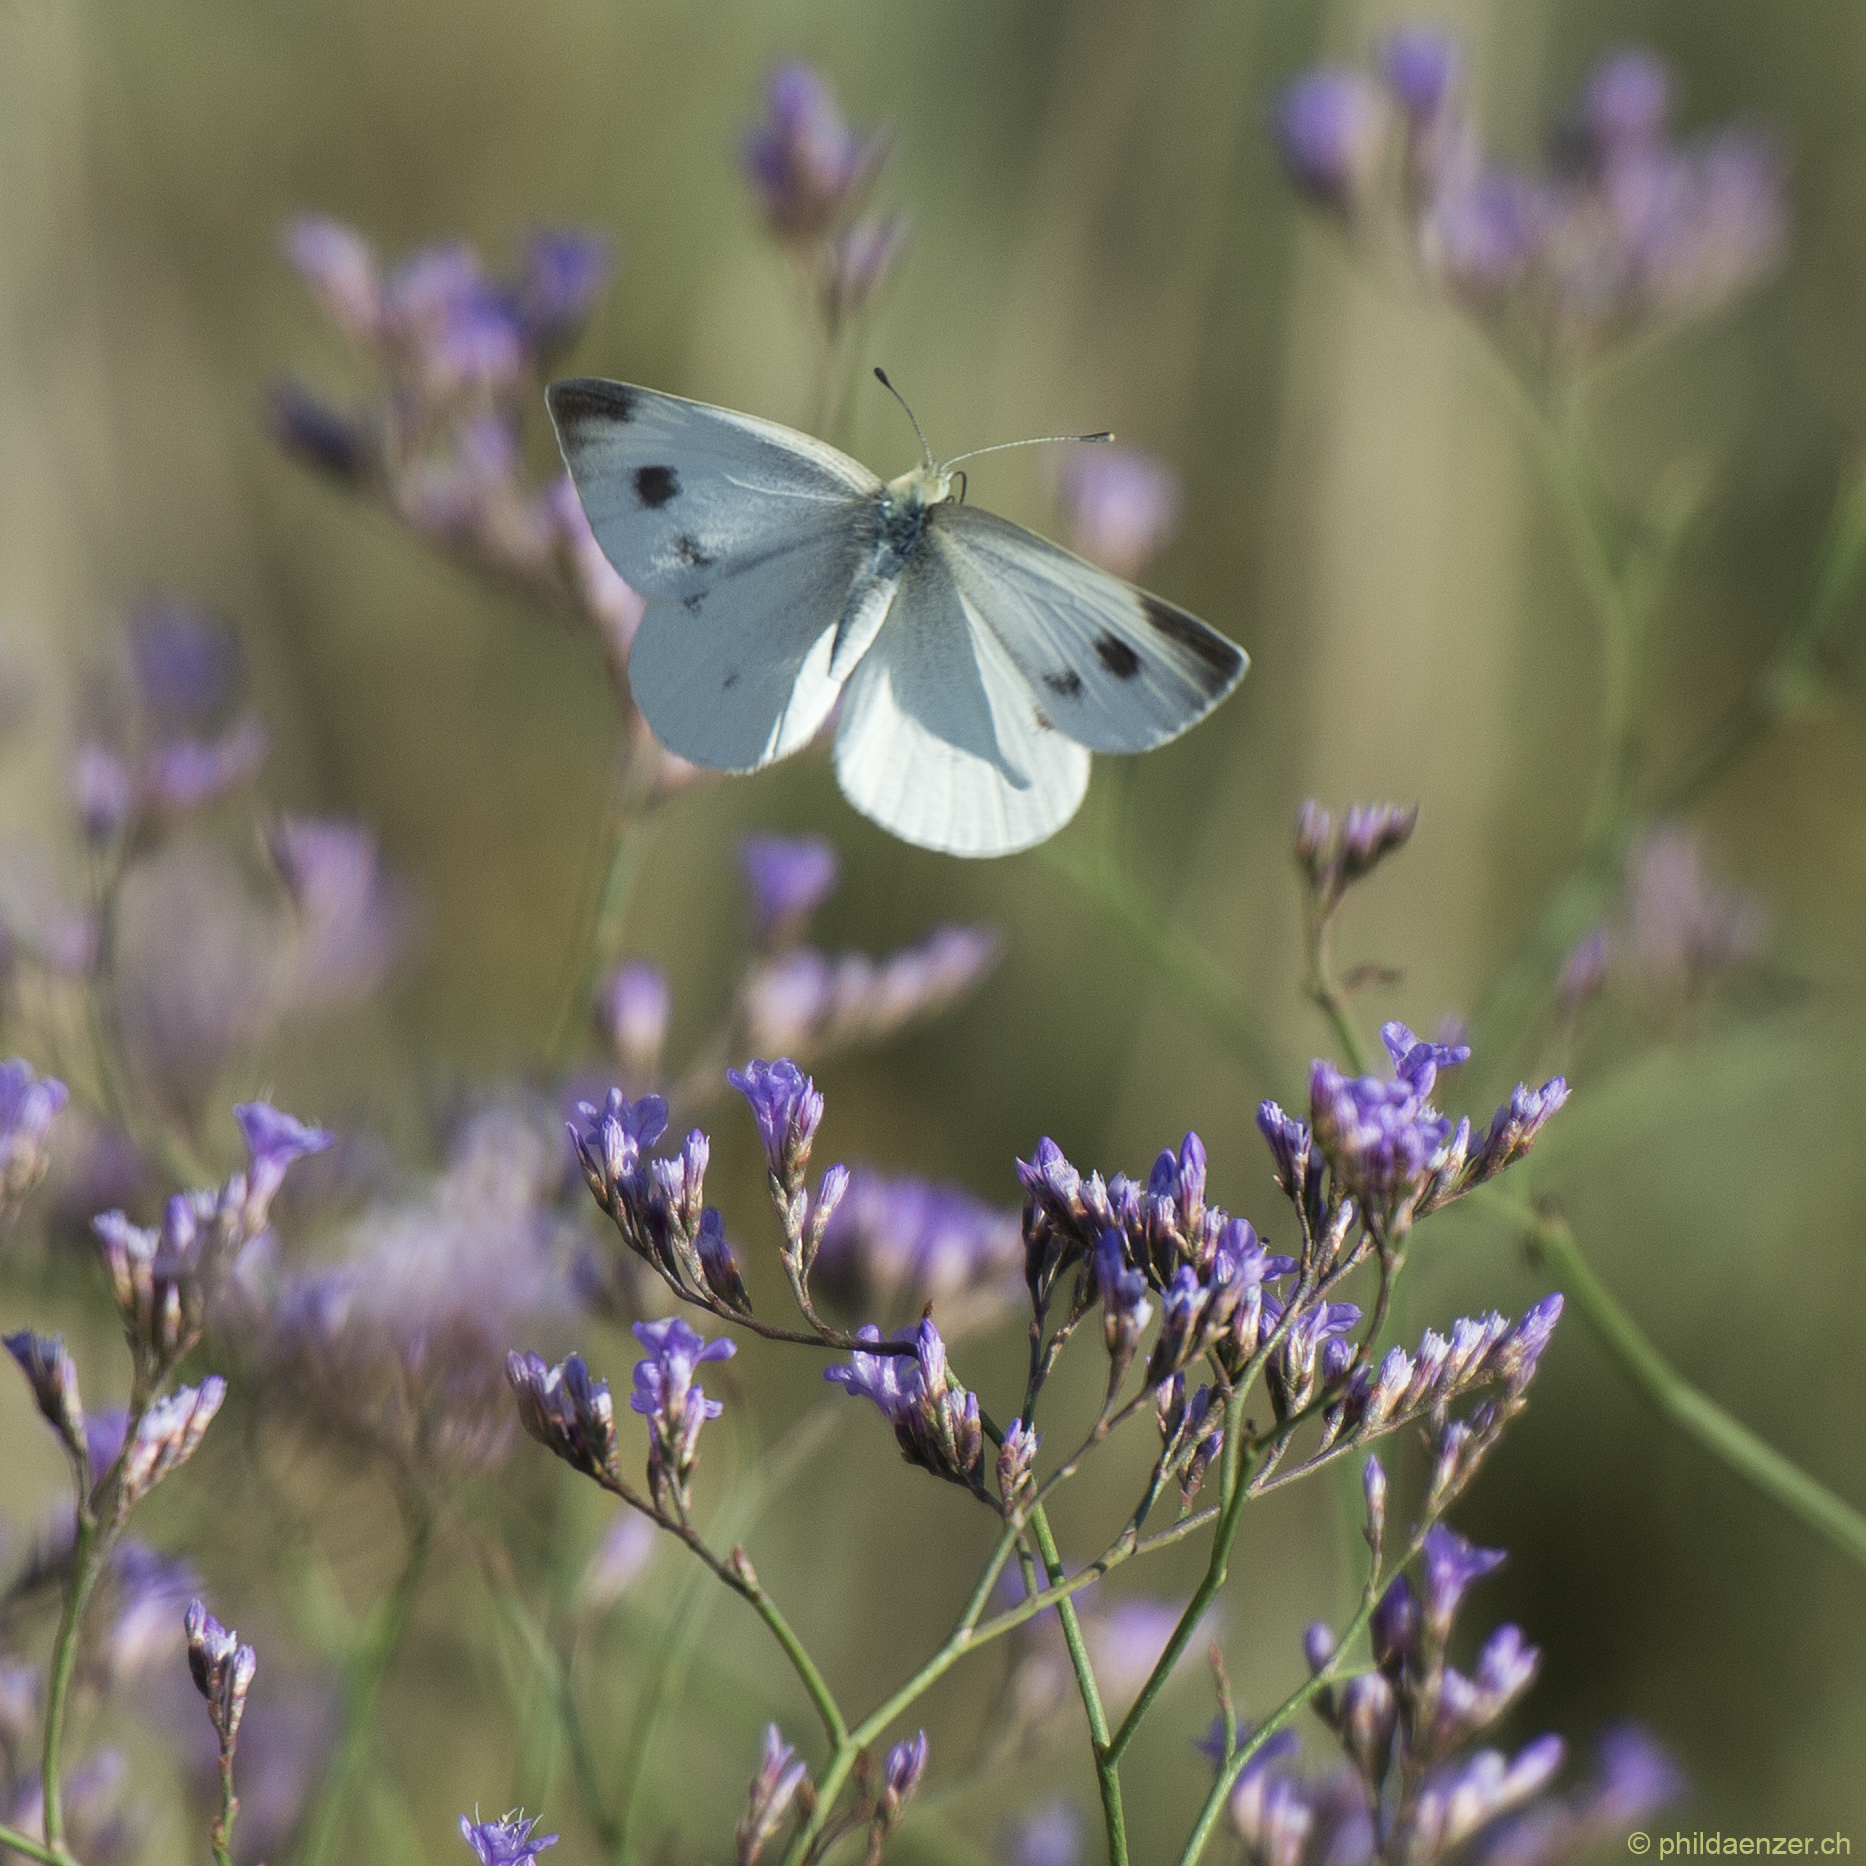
<point x="1552" y="1243"/>
<point x="1325" y="989"/>
<point x="16" y="1842"/>
<point x="364" y="1677"/>
<point x="221" y="1834"/>
<point x="87" y="1563"/>
<point x="1107" y="1759"/>
<point x="1232" y="1492"/>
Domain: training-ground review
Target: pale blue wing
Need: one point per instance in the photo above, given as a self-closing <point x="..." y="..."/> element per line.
<point x="941" y="740"/>
<point x="752" y="543"/>
<point x="1113" y="668"/>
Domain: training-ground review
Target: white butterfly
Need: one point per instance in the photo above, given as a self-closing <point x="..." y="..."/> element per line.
<point x="979" y="665"/>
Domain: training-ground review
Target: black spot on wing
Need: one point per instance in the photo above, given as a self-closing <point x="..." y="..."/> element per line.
<point x="1117" y="657"/>
<point x="1068" y="683"/>
<point x="730" y="681"/>
<point x="692" y="603"/>
<point x="655" y="485"/>
<point x="1221" y="661"/>
<point x="690" y="551"/>
<point x="1044" y="722"/>
<point x="588" y="398"/>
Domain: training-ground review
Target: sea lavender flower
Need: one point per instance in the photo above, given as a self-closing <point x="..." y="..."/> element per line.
<point x="188" y="669"/>
<point x="566" y="1411"/>
<point x="935" y="1419"/>
<point x="1328" y="128"/>
<point x="809" y="167"/>
<point x="1634" y="1778"/>
<point x="627" y="1546"/>
<point x="665" y="1395"/>
<point x="790" y="877"/>
<point x="900" y="1777"/>
<point x="52" y="1375"/>
<point x="508" y="1841"/>
<point x="222" y="1670"/>
<point x="1332" y="858"/>
<point x="1423" y="67"/>
<point x="339" y="266"/>
<point x="1122" y="506"/>
<point x="167" y="1435"/>
<point x="788" y="1108"/>
<point x="144" y="1595"/>
<point x="1684" y="931"/>
<point x="633" y="1009"/>
<point x="773" y="1789"/>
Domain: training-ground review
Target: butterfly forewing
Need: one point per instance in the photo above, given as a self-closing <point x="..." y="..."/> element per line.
<point x="1115" y="669"/>
<point x="751" y="543"/>
<point x="940" y="740"/>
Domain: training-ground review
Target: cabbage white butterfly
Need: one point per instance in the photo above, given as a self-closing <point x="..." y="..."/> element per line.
<point x="978" y="665"/>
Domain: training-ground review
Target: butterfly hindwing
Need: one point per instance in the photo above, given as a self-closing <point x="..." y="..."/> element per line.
<point x="1113" y="668"/>
<point x="749" y="541"/>
<point x="941" y="741"/>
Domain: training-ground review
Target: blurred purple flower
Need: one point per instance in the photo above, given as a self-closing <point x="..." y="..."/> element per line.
<point x="1123" y="507"/>
<point x="29" y="1103"/>
<point x="773" y="1789"/>
<point x="1329" y="125"/>
<point x="339" y="266"/>
<point x="351" y="919"/>
<point x="809" y="168"/>
<point x="562" y="275"/>
<point x="910" y="1242"/>
<point x="860" y="262"/>
<point x="187" y="663"/>
<point x="1048" y="1836"/>
<point x="1683" y="930"/>
<point x="633" y="1008"/>
<point x="1423" y="67"/>
<point x="790" y="877"/>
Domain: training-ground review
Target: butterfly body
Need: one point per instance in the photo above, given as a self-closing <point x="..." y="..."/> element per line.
<point x="978" y="665"/>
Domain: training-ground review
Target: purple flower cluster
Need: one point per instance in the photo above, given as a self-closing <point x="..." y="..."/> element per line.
<point x="1622" y="229"/>
<point x="464" y="355"/>
<point x="351" y="920"/>
<point x="772" y="1791"/>
<point x="934" y="1418"/>
<point x="1412" y="1787"/>
<point x="1387" y="1148"/>
<point x="508" y="1841"/>
<point x="675" y="1408"/>
<point x="657" y="1204"/>
<point x="28" y="1105"/>
<point x="803" y="1002"/>
<point x="789" y="877"/>
<point x="812" y="173"/>
<point x="166" y="739"/>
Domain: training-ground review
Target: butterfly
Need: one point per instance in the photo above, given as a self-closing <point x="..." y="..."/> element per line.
<point x="978" y="665"/>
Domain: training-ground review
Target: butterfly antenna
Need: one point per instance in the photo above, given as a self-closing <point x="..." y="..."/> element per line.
<point x="881" y="376"/>
<point x="1040" y="440"/>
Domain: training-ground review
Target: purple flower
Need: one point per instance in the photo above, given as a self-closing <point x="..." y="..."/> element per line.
<point x="1451" y="1565"/>
<point x="790" y="877"/>
<point x="1483" y="233"/>
<point x="1514" y="1127"/>
<point x="566" y="1411"/>
<point x="275" y="1141"/>
<point x="1423" y="66"/>
<point x="1626" y="101"/>
<point x="187" y="664"/>
<point x="788" y="1109"/>
<point x="452" y="328"/>
<point x="52" y="1375"/>
<point x="1584" y="971"/>
<point x="1419" y="1063"/>
<point x="674" y="1407"/>
<point x="341" y="445"/>
<point x="340" y="268"/>
<point x="222" y="1670"/>
<point x="1684" y="929"/>
<point x="634" y="1007"/>
<point x="28" y="1105"/>
<point x="912" y="1241"/>
<point x="563" y="275"/>
<point x="891" y="1381"/>
<point x="1381" y="1139"/>
<point x="505" y="1842"/>
<point x="935" y="1419"/>
<point x="773" y="1789"/>
<point x="1329" y="125"/>
<point x="351" y="920"/>
<point x="1049" y="1836"/>
<point x="900" y="1776"/>
<point x="1123" y="506"/>
<point x="186" y="773"/>
<point x="809" y="168"/>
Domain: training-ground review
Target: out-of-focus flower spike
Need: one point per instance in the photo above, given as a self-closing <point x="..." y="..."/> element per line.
<point x="633" y="1009"/>
<point x="1123" y="507"/>
<point x="339" y="266"/>
<point x="1329" y="125"/>
<point x="29" y="1103"/>
<point x="167" y="1436"/>
<point x="773" y="1789"/>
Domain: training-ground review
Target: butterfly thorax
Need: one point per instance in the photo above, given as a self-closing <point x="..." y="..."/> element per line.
<point x="904" y="504"/>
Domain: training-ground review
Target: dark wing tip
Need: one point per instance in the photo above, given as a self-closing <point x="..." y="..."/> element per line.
<point x="1221" y="663"/>
<point x="590" y="398"/>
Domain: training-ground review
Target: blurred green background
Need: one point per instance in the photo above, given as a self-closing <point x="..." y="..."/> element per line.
<point x="1102" y="240"/>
